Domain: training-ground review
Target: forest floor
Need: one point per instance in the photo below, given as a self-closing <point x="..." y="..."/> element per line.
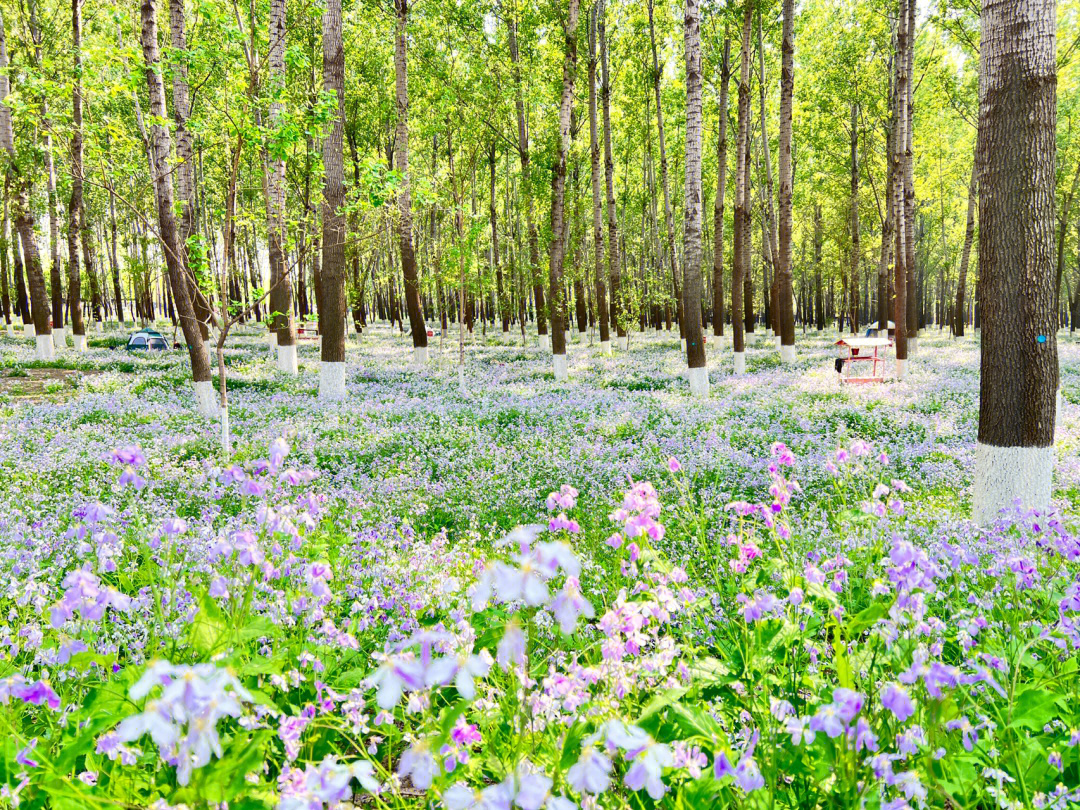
<point x="383" y="515"/>
<point x="411" y="433"/>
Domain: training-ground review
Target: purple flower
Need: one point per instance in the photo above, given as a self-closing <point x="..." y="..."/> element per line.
<point x="569" y="604"/>
<point x="591" y="773"/>
<point x="23" y="756"/>
<point x="461" y="669"/>
<point x="511" y="649"/>
<point x="279" y="448"/>
<point x="848" y="703"/>
<point x="533" y="788"/>
<point x="647" y="770"/>
<point x="397" y="673"/>
<point x="827" y="720"/>
<point x="895" y="698"/>
<point x="131" y="454"/>
<point x="418" y="765"/>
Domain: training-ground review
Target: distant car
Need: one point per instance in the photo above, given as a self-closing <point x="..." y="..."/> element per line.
<point x="147" y="340"/>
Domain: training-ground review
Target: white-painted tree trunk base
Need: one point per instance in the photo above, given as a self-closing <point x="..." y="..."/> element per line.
<point x="582" y="337"/>
<point x="271" y="340"/>
<point x="740" y="362"/>
<point x="699" y="381"/>
<point x="558" y="362"/>
<point x="420" y="355"/>
<point x="11" y="330"/>
<point x="46" y="349"/>
<point x="605" y="347"/>
<point x="545" y="342"/>
<point x="286" y="359"/>
<point x="226" y="439"/>
<point x="682" y="345"/>
<point x="331" y="381"/>
<point x="29" y="330"/>
<point x="79" y="342"/>
<point x="206" y="399"/>
<point x="506" y="333"/>
<point x="569" y="339"/>
<point x="624" y="343"/>
<point x="778" y="341"/>
<point x="1004" y="475"/>
<point x="901" y="368"/>
<point x="461" y="379"/>
<point x="787" y="353"/>
<point x="99" y="327"/>
<point x="913" y="345"/>
<point x="58" y="338"/>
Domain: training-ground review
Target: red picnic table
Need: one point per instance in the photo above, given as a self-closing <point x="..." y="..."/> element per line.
<point x="859" y="361"/>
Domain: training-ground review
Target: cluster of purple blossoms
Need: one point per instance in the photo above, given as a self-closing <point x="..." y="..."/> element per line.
<point x="182" y="721"/>
<point x="85" y="594"/>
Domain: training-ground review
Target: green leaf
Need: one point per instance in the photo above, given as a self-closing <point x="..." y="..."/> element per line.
<point x="207" y="628"/>
<point x="1034" y="708"/>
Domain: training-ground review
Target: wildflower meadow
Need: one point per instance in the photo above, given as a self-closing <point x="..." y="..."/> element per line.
<point x="599" y="594"/>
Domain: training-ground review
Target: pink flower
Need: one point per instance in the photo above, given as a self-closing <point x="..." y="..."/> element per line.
<point x="673" y="464"/>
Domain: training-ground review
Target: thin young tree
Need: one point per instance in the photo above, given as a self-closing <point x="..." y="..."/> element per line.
<point x="669" y="227"/>
<point x="161" y="174"/>
<point x="853" y="219"/>
<point x="185" y="160"/>
<point x="899" y="141"/>
<point x="617" y="312"/>
<point x="533" y="271"/>
<point x="332" y="275"/>
<point x="692" y="213"/>
<point x="75" y="201"/>
<point x="281" y="295"/>
<point x="20" y="180"/>
<point x="718" y="202"/>
<point x="401" y="161"/>
<point x="770" y="248"/>
<point x="1014" y="458"/>
<point x="785" y="310"/>
<point x="959" y="315"/>
<point x="741" y="253"/>
<point x="597" y="200"/>
<point x="557" y="248"/>
<point x="912" y="308"/>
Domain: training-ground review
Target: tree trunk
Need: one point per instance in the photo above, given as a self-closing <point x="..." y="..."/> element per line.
<point x="75" y="202"/>
<point x="911" y="309"/>
<point x="856" y="249"/>
<point x="185" y="164"/>
<point x="965" y="258"/>
<point x="24" y="219"/>
<point x="769" y="215"/>
<point x="740" y="254"/>
<point x="1016" y="154"/>
<point x="785" y="314"/>
<point x="669" y="228"/>
<point x="281" y="290"/>
<point x="401" y="158"/>
<point x="597" y="204"/>
<point x="55" y="277"/>
<point x="899" y="141"/>
<point x="557" y="249"/>
<point x="161" y="147"/>
<point x="888" y="227"/>
<point x="533" y="271"/>
<point x="617" y="312"/>
<point x="718" y="203"/>
<point x="692" y="214"/>
<point x="332" y="273"/>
